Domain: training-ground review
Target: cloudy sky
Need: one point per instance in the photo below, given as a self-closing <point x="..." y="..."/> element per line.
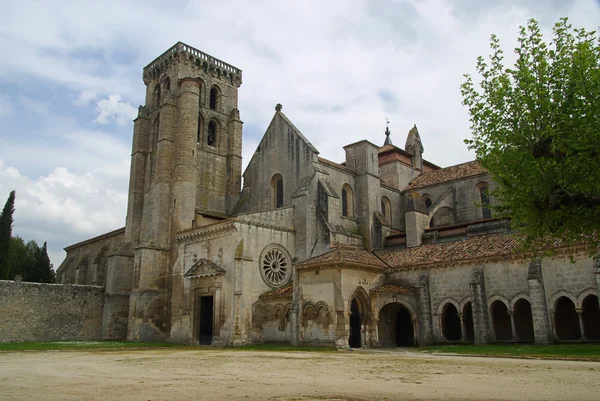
<point x="71" y="82"/>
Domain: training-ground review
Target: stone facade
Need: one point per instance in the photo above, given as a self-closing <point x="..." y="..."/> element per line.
<point x="382" y="249"/>
<point x="50" y="312"/>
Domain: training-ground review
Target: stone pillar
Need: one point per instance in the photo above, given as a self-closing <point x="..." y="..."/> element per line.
<point x="512" y="325"/>
<point x="234" y="159"/>
<point x="597" y="274"/>
<point x="479" y="304"/>
<point x="581" y="329"/>
<point x="537" y="295"/>
<point x="295" y="311"/>
<point x="463" y="330"/>
<point x="184" y="169"/>
<point x="424" y="314"/>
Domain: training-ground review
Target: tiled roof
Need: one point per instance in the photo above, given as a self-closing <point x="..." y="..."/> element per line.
<point x="347" y="255"/>
<point x="470" y="248"/>
<point x="385" y="148"/>
<point x="451" y="173"/>
<point x="284" y="292"/>
<point x="394" y="289"/>
<point x="333" y="164"/>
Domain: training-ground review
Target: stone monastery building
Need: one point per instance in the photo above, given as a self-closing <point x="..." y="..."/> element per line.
<point x="382" y="249"/>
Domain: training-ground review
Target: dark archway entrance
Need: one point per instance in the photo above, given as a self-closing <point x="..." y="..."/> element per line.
<point x="591" y="317"/>
<point x="451" y="323"/>
<point x="523" y="320"/>
<point x="205" y="319"/>
<point x="501" y="320"/>
<point x="395" y="326"/>
<point x="468" y="322"/>
<point x="355" y="340"/>
<point x="566" y="320"/>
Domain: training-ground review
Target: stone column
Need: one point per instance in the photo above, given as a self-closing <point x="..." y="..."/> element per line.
<point x="579" y="315"/>
<point x="537" y="295"/>
<point x="463" y="331"/>
<point x="512" y="325"/>
<point x="480" y="316"/>
<point x="424" y="314"/>
<point x="295" y="310"/>
<point x="597" y="274"/>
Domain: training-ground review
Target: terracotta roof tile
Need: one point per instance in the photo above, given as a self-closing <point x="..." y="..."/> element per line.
<point x="451" y="173"/>
<point x="347" y="255"/>
<point x="470" y="248"/>
<point x="284" y="292"/>
<point x="394" y="289"/>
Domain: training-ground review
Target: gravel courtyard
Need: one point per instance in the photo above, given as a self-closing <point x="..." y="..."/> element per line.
<point x="209" y="374"/>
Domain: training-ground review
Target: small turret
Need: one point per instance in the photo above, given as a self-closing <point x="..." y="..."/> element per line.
<point x="415" y="147"/>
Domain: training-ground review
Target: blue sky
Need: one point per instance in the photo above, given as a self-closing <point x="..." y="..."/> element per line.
<point x="71" y="82"/>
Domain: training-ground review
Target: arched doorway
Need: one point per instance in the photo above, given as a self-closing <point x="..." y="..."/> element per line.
<point x="523" y="320"/>
<point x="395" y="326"/>
<point x="354" y="341"/>
<point x="468" y="322"/>
<point x="591" y="317"/>
<point x="451" y="323"/>
<point x="566" y="321"/>
<point x="501" y="320"/>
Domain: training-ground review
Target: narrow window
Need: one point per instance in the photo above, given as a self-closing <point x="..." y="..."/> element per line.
<point x="168" y="84"/>
<point x="485" y="201"/>
<point x="386" y="209"/>
<point x="428" y="203"/>
<point x="277" y="190"/>
<point x="213" y="98"/>
<point x="347" y="201"/>
<point x="200" y="125"/>
<point x="211" y="138"/>
<point x="157" y="95"/>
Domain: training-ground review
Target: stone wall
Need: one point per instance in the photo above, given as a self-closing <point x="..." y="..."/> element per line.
<point x="50" y="312"/>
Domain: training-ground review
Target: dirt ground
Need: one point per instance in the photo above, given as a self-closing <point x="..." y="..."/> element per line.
<point x="209" y="374"/>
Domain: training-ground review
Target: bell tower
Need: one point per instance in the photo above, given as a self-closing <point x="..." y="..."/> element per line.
<point x="186" y="158"/>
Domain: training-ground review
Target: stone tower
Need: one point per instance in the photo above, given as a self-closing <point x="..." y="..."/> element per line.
<point x="186" y="159"/>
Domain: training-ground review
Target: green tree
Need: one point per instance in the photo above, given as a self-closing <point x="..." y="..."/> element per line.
<point x="536" y="129"/>
<point x="19" y="257"/>
<point x="6" y="222"/>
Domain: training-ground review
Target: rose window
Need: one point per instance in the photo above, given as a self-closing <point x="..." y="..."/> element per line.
<point x="275" y="267"/>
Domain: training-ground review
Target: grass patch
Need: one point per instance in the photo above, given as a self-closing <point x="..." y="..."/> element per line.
<point x="282" y="347"/>
<point x="82" y="345"/>
<point x="579" y="351"/>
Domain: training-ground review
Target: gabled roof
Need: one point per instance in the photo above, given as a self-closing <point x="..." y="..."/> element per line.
<point x="447" y="174"/>
<point x="204" y="268"/>
<point x="344" y="256"/>
<point x="486" y="246"/>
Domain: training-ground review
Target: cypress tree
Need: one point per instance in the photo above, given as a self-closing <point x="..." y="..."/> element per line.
<point x="6" y="222"/>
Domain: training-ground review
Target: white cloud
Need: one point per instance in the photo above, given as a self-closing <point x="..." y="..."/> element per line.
<point x="85" y="98"/>
<point x="63" y="208"/>
<point x="114" y="108"/>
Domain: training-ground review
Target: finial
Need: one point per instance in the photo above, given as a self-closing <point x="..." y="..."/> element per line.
<point x="278" y="107"/>
<point x="388" y="140"/>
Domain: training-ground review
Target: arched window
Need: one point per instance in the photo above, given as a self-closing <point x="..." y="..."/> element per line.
<point x="427" y="201"/>
<point x="167" y="84"/>
<point x="200" y="128"/>
<point x="386" y="209"/>
<point x="485" y="200"/>
<point x="214" y="93"/>
<point x="157" y="95"/>
<point x="347" y="201"/>
<point x="211" y="138"/>
<point x="277" y="190"/>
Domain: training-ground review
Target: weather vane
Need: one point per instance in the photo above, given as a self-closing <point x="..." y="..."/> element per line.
<point x="387" y="122"/>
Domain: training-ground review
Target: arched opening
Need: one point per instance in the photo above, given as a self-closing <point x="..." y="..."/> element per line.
<point x="277" y="190"/>
<point x="214" y="94"/>
<point x="428" y="203"/>
<point x="386" y="209"/>
<point x="395" y="326"/>
<point x="347" y="201"/>
<point x="211" y="138"/>
<point x="566" y="320"/>
<point x="468" y="322"/>
<point x="157" y="95"/>
<point x="523" y="320"/>
<point x="451" y="323"/>
<point x="591" y="317"/>
<point x="501" y="320"/>
<point x="354" y="340"/>
<point x="484" y="197"/>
